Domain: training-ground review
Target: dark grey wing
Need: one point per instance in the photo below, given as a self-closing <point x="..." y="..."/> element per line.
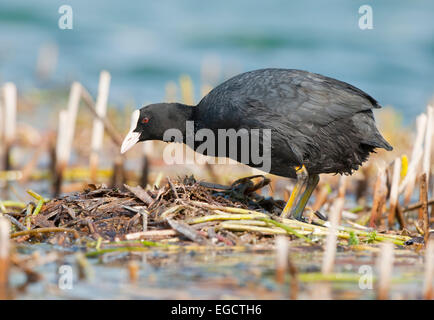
<point x="295" y="104"/>
<point x="299" y="106"/>
<point x="305" y="97"/>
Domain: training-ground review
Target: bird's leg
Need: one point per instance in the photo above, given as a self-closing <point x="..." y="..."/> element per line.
<point x="297" y="192"/>
<point x="312" y="182"/>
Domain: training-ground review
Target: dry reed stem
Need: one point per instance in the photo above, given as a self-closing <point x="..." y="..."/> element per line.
<point x="98" y="125"/>
<point x="281" y="249"/>
<point x="417" y="206"/>
<point x="416" y="156"/>
<point x="4" y="257"/>
<point x="423" y="210"/>
<point x="393" y="199"/>
<point x="428" y="142"/>
<point x="65" y="135"/>
<point x="385" y="267"/>
<point x="380" y="191"/>
<point x="73" y="104"/>
<point x="330" y="246"/>
<point x="153" y="234"/>
<point x="10" y="112"/>
<point x="37" y="231"/>
<point x="109" y="127"/>
<point x="9" y="125"/>
<point x="428" y="289"/>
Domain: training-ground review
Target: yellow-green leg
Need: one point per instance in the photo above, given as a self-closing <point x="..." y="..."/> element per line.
<point x="312" y="182"/>
<point x="300" y="195"/>
<point x="297" y="192"/>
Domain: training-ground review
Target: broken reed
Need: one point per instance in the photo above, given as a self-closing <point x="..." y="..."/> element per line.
<point x="379" y="201"/>
<point x="428" y="288"/>
<point x="66" y="130"/>
<point x="408" y="183"/>
<point x="420" y="162"/>
<point x="393" y="199"/>
<point x="330" y="245"/>
<point x="4" y="257"/>
<point x="65" y="135"/>
<point x="9" y="93"/>
<point x="423" y="210"/>
<point x="98" y="126"/>
<point x="385" y="268"/>
<point x="282" y="248"/>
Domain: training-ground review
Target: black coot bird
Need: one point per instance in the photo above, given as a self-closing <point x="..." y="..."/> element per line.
<point x="318" y="124"/>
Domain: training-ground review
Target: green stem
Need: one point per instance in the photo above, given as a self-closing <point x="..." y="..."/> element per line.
<point x="286" y="228"/>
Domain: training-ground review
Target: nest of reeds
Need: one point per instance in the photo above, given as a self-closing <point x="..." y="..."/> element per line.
<point x="181" y="212"/>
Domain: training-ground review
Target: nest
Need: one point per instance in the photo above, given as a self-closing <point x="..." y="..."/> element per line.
<point x="181" y="212"/>
<point x="113" y="214"/>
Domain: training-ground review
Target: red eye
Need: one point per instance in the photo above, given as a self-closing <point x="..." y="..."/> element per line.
<point x="145" y="120"/>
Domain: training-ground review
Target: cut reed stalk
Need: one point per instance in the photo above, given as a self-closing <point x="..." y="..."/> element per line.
<point x="61" y="153"/>
<point x="393" y="198"/>
<point x="108" y="126"/>
<point x="65" y="135"/>
<point x="407" y="184"/>
<point x="4" y="257"/>
<point x="118" y="178"/>
<point x="281" y="252"/>
<point x="385" y="267"/>
<point x="428" y="289"/>
<point x="330" y="247"/>
<point x="98" y="125"/>
<point x="73" y="104"/>
<point x="428" y="141"/>
<point x="9" y="125"/>
<point x="423" y="210"/>
<point x="380" y="192"/>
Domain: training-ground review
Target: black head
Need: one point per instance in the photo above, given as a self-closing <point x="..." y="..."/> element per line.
<point x="152" y="121"/>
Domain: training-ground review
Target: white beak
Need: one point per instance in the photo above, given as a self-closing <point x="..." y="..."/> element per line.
<point x="130" y="140"/>
<point x="132" y="137"/>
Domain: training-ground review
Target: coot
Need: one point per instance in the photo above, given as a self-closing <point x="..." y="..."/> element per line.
<point x="317" y="125"/>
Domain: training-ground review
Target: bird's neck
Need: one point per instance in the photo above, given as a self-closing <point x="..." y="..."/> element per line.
<point x="182" y="113"/>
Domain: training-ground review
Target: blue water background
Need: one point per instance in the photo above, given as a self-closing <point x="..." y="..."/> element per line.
<point x="145" y="44"/>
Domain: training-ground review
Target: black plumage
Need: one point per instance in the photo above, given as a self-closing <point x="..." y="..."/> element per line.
<point x="322" y="123"/>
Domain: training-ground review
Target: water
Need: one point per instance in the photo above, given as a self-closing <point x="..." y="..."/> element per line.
<point x="148" y="43"/>
<point x="212" y="275"/>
